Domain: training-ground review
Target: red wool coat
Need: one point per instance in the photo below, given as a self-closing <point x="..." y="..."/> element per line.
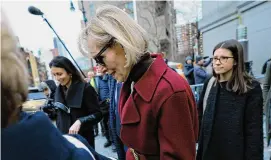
<point x="159" y="119"/>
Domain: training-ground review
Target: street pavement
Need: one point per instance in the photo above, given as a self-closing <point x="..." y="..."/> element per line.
<point x="99" y="147"/>
<point x="267" y="151"/>
<point x="100" y="140"/>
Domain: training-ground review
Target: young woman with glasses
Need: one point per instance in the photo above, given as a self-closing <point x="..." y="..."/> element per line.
<point x="230" y="109"/>
<point x="157" y="109"/>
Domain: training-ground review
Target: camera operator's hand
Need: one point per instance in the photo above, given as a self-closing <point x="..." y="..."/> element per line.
<point x="74" y="129"/>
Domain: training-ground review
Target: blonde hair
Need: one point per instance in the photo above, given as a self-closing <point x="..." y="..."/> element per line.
<point x="112" y="22"/>
<point x="14" y="79"/>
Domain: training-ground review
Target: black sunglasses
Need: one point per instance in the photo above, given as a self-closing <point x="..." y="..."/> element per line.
<point x="98" y="58"/>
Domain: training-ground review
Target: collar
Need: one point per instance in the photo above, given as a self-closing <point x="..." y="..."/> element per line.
<point x="146" y="86"/>
<point x="74" y="95"/>
<point x="140" y="68"/>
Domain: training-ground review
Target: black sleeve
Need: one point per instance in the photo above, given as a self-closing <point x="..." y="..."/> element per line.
<point x="207" y="63"/>
<point x="188" y="72"/>
<point x="254" y="124"/>
<point x="90" y="102"/>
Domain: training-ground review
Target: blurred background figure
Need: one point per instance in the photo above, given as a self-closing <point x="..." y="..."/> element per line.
<point x="189" y="70"/>
<point x="200" y="74"/>
<point x="179" y="70"/>
<point x="102" y="84"/>
<point x="267" y="98"/>
<point x="114" y="118"/>
<point x="92" y="80"/>
<point x="48" y="87"/>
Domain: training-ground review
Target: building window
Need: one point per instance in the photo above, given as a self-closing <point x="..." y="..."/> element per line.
<point x="91" y="10"/>
<point x="129" y="8"/>
<point x="160" y="7"/>
<point x="167" y="33"/>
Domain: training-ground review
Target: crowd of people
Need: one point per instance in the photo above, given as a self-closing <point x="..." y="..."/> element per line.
<point x="145" y="109"/>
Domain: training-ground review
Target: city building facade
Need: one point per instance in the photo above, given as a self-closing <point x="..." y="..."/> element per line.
<point x="60" y="48"/>
<point x="220" y="22"/>
<point x="37" y="70"/>
<point x="156" y="17"/>
<point x="189" y="41"/>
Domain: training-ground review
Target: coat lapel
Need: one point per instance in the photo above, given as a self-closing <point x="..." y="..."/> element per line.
<point x="130" y="112"/>
<point x="127" y="108"/>
<point x="74" y="95"/>
<point x="208" y="118"/>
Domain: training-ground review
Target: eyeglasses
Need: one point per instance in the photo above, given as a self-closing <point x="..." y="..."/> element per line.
<point x="99" y="58"/>
<point x="222" y="59"/>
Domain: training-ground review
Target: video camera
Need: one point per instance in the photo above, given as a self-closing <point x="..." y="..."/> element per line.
<point x="49" y="108"/>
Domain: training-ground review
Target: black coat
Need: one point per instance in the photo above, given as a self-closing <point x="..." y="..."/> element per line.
<point x="189" y="73"/>
<point x="243" y="135"/>
<point x="82" y="100"/>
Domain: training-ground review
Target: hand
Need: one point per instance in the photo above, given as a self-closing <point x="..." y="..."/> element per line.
<point x="87" y="79"/>
<point x="74" y="129"/>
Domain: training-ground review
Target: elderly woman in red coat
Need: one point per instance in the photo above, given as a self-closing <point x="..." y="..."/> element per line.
<point x="157" y="109"/>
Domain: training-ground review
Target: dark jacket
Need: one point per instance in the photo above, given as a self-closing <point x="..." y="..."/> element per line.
<point x="35" y="137"/>
<point x="114" y="118"/>
<point x="82" y="100"/>
<point x="52" y="85"/>
<point x="189" y="73"/>
<point x="102" y="84"/>
<point x="267" y="99"/>
<point x="158" y="117"/>
<point x="241" y="121"/>
<point x="200" y="75"/>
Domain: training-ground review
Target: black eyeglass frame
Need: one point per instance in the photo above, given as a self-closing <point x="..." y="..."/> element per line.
<point x="214" y="59"/>
<point x="98" y="58"/>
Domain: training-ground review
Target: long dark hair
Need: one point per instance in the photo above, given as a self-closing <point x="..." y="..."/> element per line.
<point x="240" y="80"/>
<point x="67" y="65"/>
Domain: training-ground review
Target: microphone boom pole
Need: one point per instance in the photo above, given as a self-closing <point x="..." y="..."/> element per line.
<point x="40" y="13"/>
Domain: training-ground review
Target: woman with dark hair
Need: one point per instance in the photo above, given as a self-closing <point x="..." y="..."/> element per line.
<point x="230" y="109"/>
<point x="79" y="99"/>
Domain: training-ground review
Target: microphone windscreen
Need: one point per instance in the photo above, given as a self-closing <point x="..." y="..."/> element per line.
<point x="34" y="10"/>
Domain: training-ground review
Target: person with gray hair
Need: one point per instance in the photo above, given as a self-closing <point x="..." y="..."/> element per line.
<point x="48" y="87"/>
<point x="157" y="109"/>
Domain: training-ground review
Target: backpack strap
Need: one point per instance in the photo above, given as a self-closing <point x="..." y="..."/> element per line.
<point x="206" y="95"/>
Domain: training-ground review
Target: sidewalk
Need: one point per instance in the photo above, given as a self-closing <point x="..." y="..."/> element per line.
<point x="99" y="147"/>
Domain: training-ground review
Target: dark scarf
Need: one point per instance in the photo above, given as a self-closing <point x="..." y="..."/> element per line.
<point x="140" y="68"/>
<point x="73" y="96"/>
